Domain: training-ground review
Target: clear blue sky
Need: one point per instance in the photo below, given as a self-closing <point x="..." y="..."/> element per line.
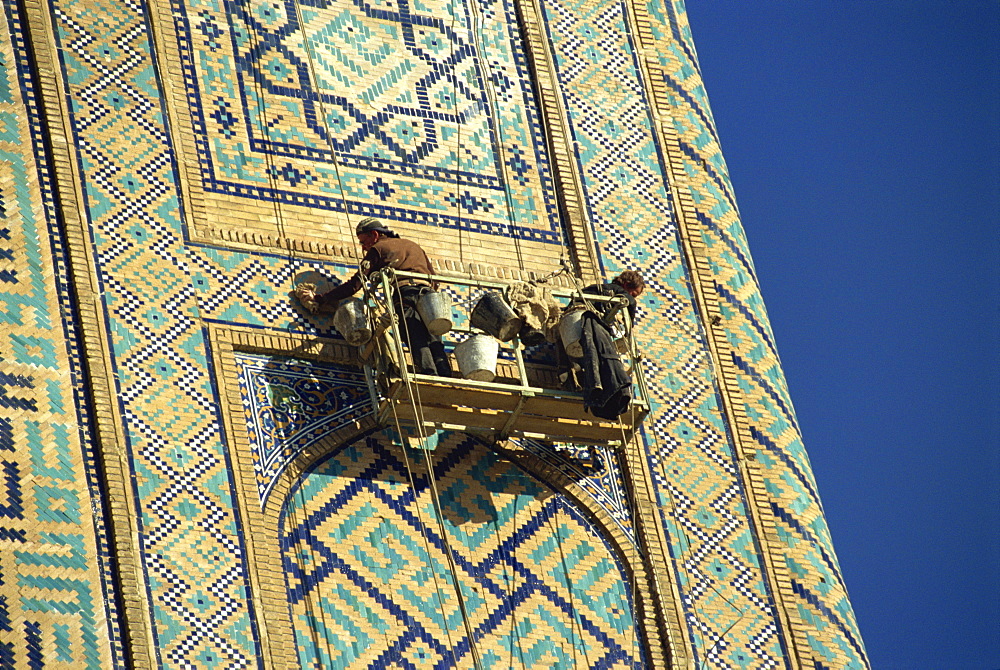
<point x="862" y="140"/>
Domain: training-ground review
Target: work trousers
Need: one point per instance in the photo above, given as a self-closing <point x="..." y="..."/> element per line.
<point x="429" y="355"/>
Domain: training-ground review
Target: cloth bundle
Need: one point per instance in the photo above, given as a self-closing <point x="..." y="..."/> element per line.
<point x="539" y="310"/>
<point x="306" y="294"/>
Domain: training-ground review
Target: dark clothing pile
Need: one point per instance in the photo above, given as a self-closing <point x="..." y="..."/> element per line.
<point x="607" y="387"/>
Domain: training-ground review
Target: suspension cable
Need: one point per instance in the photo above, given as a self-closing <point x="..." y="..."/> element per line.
<point x="459" y="123"/>
<point x="310" y="64"/>
<point x="260" y="91"/>
<point x="473" y="647"/>
<point x="423" y="534"/>
<point x="498" y="145"/>
<point x="420" y="421"/>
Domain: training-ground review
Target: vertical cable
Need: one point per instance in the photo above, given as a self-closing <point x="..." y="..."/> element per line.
<point x="310" y="64"/>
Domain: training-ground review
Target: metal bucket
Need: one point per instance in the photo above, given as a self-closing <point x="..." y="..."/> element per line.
<point x="477" y="357"/>
<point x="531" y="337"/>
<point x="495" y="316"/>
<point x="351" y="321"/>
<point x="434" y="308"/>
<point x="570" y="332"/>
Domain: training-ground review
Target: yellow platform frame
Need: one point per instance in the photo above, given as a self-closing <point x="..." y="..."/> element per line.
<point x="498" y="410"/>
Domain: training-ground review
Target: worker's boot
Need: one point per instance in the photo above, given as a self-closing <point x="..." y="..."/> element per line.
<point x="442" y="364"/>
<point x="423" y="361"/>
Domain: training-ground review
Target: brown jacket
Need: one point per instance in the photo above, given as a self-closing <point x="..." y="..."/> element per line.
<point x="394" y="252"/>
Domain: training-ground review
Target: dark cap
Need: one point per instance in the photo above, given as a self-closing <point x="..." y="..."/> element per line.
<point x="370" y="224"/>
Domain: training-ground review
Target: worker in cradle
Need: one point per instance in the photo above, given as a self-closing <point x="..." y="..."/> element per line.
<point x="385" y="248"/>
<point x="607" y="385"/>
<point x="628" y="285"/>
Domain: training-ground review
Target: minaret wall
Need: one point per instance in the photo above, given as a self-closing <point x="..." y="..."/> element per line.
<point x="175" y="429"/>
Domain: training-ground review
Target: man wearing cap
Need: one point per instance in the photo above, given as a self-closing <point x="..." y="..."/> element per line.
<point x="385" y="248"/>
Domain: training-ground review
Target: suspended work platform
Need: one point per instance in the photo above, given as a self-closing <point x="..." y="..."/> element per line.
<point x="500" y="411"/>
<point x="523" y="401"/>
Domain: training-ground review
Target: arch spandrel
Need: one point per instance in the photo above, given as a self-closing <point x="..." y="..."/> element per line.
<point x="506" y="509"/>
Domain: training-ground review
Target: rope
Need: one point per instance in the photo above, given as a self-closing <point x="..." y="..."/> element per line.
<point x="265" y="128"/>
<point x="633" y="443"/>
<point x="476" y="660"/>
<point x="310" y="64"/>
<point x="458" y="131"/>
<point x="498" y="145"/>
<point x="418" y="413"/>
<point x="423" y="535"/>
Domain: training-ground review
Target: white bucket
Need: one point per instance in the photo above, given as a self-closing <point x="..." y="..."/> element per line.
<point x="570" y="332"/>
<point x="434" y="308"/>
<point x="477" y="357"/>
<point x="351" y="321"/>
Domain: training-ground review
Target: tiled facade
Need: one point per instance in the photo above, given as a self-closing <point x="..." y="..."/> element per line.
<point x="193" y="477"/>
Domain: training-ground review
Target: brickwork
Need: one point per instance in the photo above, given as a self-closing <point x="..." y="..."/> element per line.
<point x="802" y="569"/>
<point x="221" y="495"/>
<point x="57" y="598"/>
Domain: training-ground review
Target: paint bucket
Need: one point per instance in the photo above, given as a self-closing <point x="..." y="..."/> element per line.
<point x="571" y="331"/>
<point x="531" y="337"/>
<point x="434" y="308"/>
<point x="477" y="357"/>
<point x="351" y="321"/>
<point x="496" y="317"/>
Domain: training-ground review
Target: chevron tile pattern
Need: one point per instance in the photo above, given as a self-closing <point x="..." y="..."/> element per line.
<point x="375" y="561"/>
<point x="56" y="607"/>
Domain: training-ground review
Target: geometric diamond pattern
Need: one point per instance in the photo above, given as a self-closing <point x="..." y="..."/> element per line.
<point x="371" y="112"/>
<point x="366" y="561"/>
<point x="362" y="573"/>
<point x="188" y="538"/>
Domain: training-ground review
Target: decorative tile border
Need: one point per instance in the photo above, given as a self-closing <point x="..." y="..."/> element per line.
<point x="57" y="598"/>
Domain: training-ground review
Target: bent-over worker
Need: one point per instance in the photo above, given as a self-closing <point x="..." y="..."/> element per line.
<point x="628" y="285"/>
<point x="607" y="386"/>
<point x="384" y="248"/>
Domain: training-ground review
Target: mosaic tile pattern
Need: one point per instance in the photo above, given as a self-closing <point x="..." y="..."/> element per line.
<point x="403" y="109"/>
<point x="363" y="551"/>
<point x="598" y="471"/>
<point x="817" y="588"/>
<point x="157" y="289"/>
<point x="56" y="605"/>
<point x="291" y="404"/>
